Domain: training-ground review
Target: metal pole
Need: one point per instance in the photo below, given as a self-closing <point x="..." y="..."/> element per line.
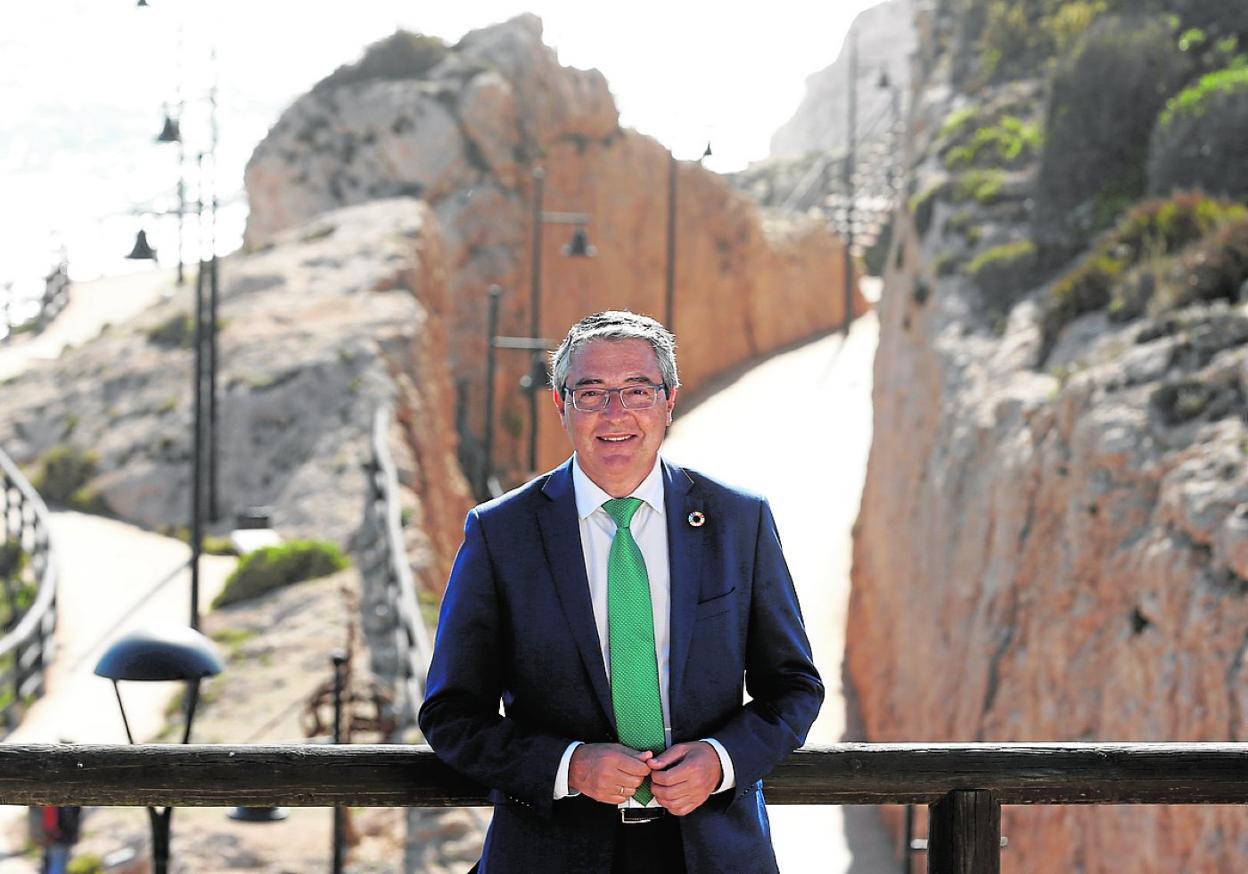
<point x="197" y="449"/>
<point x="849" y="183"/>
<point x="907" y="850"/>
<point x="535" y="307"/>
<point x="214" y="509"/>
<point x="669" y="313"/>
<point x="487" y="449"/>
<point x="339" y="660"/>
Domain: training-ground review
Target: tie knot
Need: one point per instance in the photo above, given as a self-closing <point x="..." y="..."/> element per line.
<point x="621" y="510"/>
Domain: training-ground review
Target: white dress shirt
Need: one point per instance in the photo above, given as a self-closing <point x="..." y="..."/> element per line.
<point x="649" y="530"/>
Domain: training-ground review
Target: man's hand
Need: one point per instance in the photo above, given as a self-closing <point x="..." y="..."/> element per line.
<point x="683" y="776"/>
<point x="609" y="773"/>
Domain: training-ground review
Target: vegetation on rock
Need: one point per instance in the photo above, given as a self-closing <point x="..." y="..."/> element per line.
<point x="276" y="566"/>
<point x="1147" y="237"/>
<point x="1002" y="274"/>
<point x="1103" y="103"/>
<point x="402" y="55"/>
<point x="63" y="475"/>
<point x="1199" y="138"/>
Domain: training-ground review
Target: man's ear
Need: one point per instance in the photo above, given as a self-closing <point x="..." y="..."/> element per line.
<point x="557" y="397"/>
<point x="671" y="403"/>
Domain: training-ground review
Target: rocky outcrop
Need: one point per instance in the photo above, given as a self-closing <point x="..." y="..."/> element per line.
<point x="886" y="38"/>
<point x="466" y="134"/>
<point x="1052" y="535"/>
<point x="317" y="330"/>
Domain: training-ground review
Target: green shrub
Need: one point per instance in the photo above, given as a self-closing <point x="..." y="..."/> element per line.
<point x="176" y="332"/>
<point x="276" y="566"/>
<point x="64" y="470"/>
<point x="1104" y="99"/>
<point x="1153" y="231"/>
<point x="1002" y="273"/>
<point x="1007" y="142"/>
<point x="85" y="863"/>
<point x="982" y="186"/>
<point x="12" y="558"/>
<point x="1215" y="268"/>
<point x="402" y="55"/>
<point x="1199" y="139"/>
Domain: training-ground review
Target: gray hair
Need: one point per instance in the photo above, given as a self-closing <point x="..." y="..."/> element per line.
<point x="615" y="326"/>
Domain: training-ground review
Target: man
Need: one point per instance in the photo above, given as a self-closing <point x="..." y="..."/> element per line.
<point x="620" y="606"/>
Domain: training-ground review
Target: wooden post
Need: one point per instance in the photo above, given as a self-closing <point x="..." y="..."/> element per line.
<point x="964" y="834"/>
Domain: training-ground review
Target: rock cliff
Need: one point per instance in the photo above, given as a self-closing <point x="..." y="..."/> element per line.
<point x="318" y="329"/>
<point x="1053" y="533"/>
<point x="464" y="128"/>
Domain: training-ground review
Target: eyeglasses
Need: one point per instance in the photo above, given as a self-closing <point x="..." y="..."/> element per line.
<point x="593" y="399"/>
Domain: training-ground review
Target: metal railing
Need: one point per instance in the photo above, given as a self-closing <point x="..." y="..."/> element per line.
<point x="27" y="558"/>
<point x="54" y="299"/>
<point x="964" y="784"/>
<point x="390" y="608"/>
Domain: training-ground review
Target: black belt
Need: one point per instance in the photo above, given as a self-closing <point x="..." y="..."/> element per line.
<point x="637" y="815"/>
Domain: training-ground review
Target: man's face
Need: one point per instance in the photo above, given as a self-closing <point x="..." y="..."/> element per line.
<point x="616" y="447"/>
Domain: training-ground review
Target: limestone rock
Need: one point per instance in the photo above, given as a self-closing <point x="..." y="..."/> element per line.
<point x="316" y="331"/>
<point x="1051" y="551"/>
<point x="495" y="108"/>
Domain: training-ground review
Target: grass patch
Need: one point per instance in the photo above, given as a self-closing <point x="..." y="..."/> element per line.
<point x="63" y="473"/>
<point x="277" y="566"/>
<point x="176" y="332"/>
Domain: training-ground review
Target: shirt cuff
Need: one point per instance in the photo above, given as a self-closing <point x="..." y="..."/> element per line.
<point x="561" y="776"/>
<point x="725" y="765"/>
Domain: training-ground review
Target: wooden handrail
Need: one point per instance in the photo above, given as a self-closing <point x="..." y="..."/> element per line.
<point x="298" y="775"/>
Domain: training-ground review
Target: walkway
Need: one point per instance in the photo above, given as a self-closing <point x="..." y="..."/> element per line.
<point x="797" y="428"/>
<point x="114" y="577"/>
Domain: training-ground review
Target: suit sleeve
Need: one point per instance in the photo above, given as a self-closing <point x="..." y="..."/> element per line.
<point x="460" y="716"/>
<point x="784" y="687"/>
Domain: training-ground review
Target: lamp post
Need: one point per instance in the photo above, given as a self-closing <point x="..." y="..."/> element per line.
<point x="578" y="246"/>
<point x="174" y="653"/>
<point x="204" y="495"/>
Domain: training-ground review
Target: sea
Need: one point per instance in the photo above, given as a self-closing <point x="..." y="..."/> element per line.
<point x="85" y="88"/>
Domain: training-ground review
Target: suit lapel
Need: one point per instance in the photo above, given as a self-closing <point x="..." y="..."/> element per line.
<point x="686" y="547"/>
<point x="561" y="540"/>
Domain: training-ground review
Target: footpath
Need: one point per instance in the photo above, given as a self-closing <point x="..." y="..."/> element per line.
<point x="797" y="428"/>
<point x="114" y="578"/>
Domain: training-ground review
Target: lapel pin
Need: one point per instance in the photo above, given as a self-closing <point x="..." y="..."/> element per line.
<point x="697" y="519"/>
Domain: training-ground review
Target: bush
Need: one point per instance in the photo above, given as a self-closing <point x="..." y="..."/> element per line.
<point x="176" y="332"/>
<point x="402" y="55"/>
<point x="1152" y="231"/>
<point x="1104" y="99"/>
<point x="1007" y="142"/>
<point x="1214" y="269"/>
<point x="276" y="566"/>
<point x="63" y="471"/>
<point x="1198" y="141"/>
<point x="1002" y="273"/>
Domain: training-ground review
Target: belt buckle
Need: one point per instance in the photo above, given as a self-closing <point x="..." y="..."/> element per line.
<point x="640" y="815"/>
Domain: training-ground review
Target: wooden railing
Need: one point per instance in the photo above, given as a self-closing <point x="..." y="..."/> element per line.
<point x="26" y="553"/>
<point x="964" y="784"/>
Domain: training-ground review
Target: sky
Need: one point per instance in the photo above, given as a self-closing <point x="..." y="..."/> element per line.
<point x="82" y="83"/>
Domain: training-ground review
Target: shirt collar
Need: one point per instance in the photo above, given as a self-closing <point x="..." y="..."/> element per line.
<point x="589" y="497"/>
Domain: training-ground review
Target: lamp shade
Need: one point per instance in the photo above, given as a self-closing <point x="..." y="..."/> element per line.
<point x="173" y="653"/>
<point x="142" y="250"/>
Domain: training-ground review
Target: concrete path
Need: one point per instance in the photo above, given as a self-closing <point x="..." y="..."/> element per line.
<point x="797" y="428"/>
<point x="114" y="578"/>
<point x="92" y="305"/>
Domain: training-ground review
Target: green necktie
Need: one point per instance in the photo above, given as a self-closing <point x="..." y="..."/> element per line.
<point x="630" y="624"/>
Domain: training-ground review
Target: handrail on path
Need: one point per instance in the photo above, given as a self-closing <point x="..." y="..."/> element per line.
<point x="26" y="558"/>
<point x="964" y="784"/>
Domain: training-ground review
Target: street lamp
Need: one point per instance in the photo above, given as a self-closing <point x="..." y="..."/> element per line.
<point x="577" y="246"/>
<point x="174" y="653"/>
<point x="669" y="310"/>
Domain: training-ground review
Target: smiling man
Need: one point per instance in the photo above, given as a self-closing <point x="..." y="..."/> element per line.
<point x="621" y="608"/>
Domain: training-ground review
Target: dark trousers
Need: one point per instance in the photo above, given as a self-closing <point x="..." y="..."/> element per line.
<point x="649" y="848"/>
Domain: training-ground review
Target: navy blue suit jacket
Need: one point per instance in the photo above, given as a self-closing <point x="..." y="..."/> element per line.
<point x="517" y="624"/>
